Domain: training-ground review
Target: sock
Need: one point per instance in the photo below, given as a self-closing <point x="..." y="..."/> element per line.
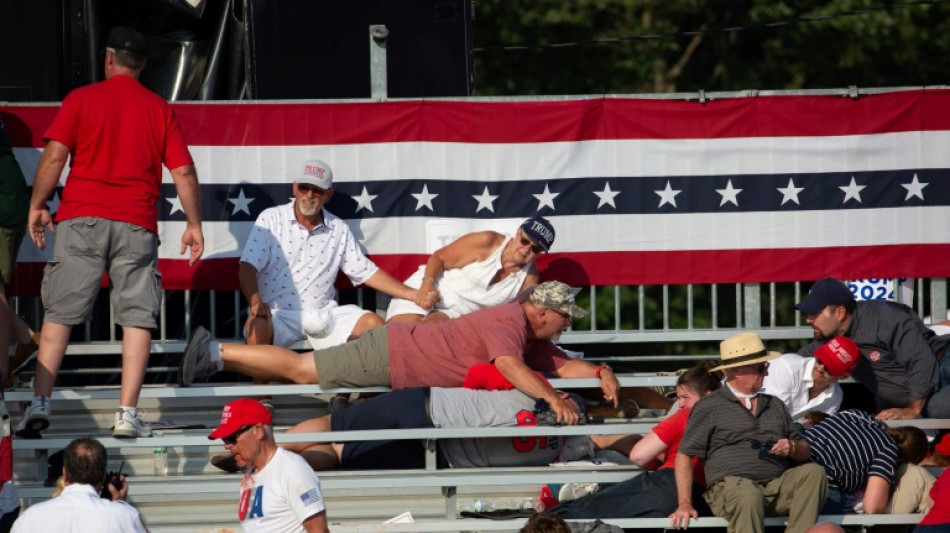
<point x="39" y="400"/>
<point x="131" y="410"/>
<point x="214" y="349"/>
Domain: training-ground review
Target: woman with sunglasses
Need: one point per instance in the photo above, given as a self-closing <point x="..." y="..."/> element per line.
<point x="477" y="270"/>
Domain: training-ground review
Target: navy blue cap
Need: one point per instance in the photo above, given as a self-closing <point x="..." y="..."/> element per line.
<point x="825" y="292"/>
<point x="539" y="230"/>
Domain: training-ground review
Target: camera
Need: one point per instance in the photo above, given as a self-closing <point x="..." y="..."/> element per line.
<point x="114" y="479"/>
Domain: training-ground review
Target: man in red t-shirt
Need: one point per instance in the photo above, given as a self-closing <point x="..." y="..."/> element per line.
<point x="119" y="134"/>
<point x="516" y="337"/>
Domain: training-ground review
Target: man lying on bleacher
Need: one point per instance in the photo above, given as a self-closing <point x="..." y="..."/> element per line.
<point x="516" y="337"/>
<point x="904" y="363"/>
<point x="420" y="407"/>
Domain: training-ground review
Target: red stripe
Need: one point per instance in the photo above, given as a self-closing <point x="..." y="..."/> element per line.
<point x="269" y="124"/>
<point x="621" y="268"/>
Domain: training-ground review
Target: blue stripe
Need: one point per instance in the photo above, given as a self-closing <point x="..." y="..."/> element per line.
<point x="760" y="193"/>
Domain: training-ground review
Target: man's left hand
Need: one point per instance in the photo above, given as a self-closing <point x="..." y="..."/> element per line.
<point x="120" y="493"/>
<point x="565" y="409"/>
<point x="898" y="413"/>
<point x="193" y="238"/>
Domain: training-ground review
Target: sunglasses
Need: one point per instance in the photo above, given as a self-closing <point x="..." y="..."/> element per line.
<point x="534" y="247"/>
<point x="564" y="315"/>
<point x="761" y="368"/>
<point x="231" y="439"/>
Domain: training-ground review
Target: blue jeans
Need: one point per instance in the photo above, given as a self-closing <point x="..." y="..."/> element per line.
<point x="938" y="406"/>
<point x="648" y="495"/>
<point x="838" y="503"/>
<point x="934" y="528"/>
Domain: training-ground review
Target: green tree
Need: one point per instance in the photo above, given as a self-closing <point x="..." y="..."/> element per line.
<point x="740" y="44"/>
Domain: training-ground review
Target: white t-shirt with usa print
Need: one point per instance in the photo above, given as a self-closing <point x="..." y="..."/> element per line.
<point x="286" y="492"/>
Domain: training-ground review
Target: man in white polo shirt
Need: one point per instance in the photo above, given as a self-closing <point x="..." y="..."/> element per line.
<point x="290" y="265"/>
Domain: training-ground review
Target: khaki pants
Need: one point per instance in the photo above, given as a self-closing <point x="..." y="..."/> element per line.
<point x="799" y="493"/>
<point x="911" y="492"/>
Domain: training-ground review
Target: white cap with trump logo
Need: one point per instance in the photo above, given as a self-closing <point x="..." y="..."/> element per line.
<point x="316" y="172"/>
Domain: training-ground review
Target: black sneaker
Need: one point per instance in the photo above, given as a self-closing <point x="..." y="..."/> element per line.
<point x="226" y="462"/>
<point x="196" y="362"/>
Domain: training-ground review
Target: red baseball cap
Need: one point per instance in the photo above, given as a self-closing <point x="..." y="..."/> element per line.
<point x="839" y="355"/>
<point x="240" y="413"/>
<point x="942" y="445"/>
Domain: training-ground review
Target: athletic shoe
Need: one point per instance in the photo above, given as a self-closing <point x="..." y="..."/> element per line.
<point x="575" y="491"/>
<point x="196" y="362"/>
<point x="129" y="427"/>
<point x="23" y="355"/>
<point x="35" y="419"/>
<point x="227" y="462"/>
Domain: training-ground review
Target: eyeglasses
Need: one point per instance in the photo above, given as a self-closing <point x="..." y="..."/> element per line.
<point x="564" y="315"/>
<point x="534" y="247"/>
<point x="231" y="439"/>
<point x="306" y="187"/>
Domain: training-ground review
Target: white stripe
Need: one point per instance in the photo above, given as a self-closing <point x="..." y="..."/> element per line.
<point x="639" y="233"/>
<point x="546" y="161"/>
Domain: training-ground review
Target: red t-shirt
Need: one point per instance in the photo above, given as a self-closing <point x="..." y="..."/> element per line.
<point x="440" y="355"/>
<point x="670" y="431"/>
<point x="119" y="134"/>
<point x="940" y="494"/>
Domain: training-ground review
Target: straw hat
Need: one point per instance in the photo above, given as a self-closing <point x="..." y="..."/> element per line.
<point x="743" y="349"/>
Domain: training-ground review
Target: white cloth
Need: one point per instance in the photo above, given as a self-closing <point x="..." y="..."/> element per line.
<point x="79" y="509"/>
<point x="466" y="289"/>
<point x="297" y="268"/>
<point x="746" y="398"/>
<point x="288" y="329"/>
<point x="286" y="492"/>
<point x="790" y="377"/>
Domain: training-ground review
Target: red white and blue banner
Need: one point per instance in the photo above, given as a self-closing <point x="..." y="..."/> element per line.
<point x="640" y="191"/>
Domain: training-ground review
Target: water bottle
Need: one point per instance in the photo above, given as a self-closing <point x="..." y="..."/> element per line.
<point x="161" y="461"/>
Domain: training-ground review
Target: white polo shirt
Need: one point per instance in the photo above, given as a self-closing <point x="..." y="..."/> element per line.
<point x="790" y="378"/>
<point x="296" y="268"/>
<point x="79" y="509"/>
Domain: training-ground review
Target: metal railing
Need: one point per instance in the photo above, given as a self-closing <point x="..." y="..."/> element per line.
<point x="618" y="314"/>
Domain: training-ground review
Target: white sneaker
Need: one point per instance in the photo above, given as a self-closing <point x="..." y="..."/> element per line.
<point x="129" y="427"/>
<point x="35" y="419"/>
<point x="574" y="491"/>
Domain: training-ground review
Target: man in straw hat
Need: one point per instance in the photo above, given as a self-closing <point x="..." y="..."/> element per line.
<point x="750" y="446"/>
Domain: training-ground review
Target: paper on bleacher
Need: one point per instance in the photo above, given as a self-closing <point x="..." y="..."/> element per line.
<point x="404" y="518"/>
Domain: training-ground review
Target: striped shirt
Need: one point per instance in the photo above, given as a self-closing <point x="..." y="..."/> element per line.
<point x="724" y="433"/>
<point x="852" y="446"/>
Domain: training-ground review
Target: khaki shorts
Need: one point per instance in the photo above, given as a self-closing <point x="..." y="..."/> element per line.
<point x="363" y="362"/>
<point x="85" y="248"/>
<point x="10" y="239"/>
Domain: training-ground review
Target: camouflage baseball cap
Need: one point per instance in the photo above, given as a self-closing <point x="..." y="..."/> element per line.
<point x="556" y="295"/>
